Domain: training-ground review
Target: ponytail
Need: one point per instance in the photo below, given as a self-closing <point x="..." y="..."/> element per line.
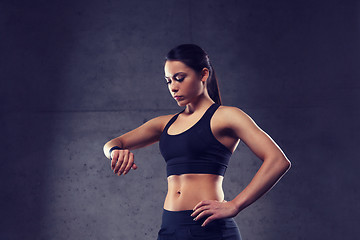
<point x="212" y="86"/>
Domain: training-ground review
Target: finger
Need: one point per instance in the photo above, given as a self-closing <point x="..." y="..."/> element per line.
<point x="201" y="204"/>
<point x="203" y="214"/>
<point x="114" y="159"/>
<point x="134" y="166"/>
<point x="119" y="161"/>
<point x="199" y="210"/>
<point x="130" y="163"/>
<point x="125" y="162"/>
<point x="209" y="220"/>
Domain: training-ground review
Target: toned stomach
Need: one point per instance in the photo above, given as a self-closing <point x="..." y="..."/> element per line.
<point x="187" y="190"/>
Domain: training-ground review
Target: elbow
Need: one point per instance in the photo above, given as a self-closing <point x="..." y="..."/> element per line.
<point x="281" y="163"/>
<point x="289" y="163"/>
<point x="285" y="164"/>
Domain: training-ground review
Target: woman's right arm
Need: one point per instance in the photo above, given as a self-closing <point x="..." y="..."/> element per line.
<point x="146" y="134"/>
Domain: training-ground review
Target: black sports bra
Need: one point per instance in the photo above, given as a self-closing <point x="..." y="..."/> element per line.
<point x="195" y="150"/>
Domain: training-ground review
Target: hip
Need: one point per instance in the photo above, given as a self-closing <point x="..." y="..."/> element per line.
<point x="178" y="225"/>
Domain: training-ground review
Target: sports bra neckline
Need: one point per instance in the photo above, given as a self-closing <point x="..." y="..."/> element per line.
<point x="187" y="130"/>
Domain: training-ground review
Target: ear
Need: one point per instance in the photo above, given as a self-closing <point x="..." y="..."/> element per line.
<point x="204" y="75"/>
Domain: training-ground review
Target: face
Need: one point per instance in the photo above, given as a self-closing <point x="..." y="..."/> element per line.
<point x="184" y="84"/>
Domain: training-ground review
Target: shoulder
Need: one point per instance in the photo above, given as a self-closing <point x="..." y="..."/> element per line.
<point x="230" y="113"/>
<point x="163" y="119"/>
<point x="160" y="121"/>
<point x="233" y="117"/>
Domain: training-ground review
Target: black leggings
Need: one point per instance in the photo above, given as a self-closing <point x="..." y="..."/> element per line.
<point x="179" y="225"/>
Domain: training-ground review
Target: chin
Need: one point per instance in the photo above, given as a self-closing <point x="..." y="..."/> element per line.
<point x="182" y="103"/>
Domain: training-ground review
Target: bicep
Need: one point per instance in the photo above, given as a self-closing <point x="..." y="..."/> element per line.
<point x="260" y="143"/>
<point x="146" y="134"/>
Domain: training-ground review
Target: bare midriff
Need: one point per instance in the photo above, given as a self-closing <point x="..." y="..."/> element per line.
<point x="187" y="190"/>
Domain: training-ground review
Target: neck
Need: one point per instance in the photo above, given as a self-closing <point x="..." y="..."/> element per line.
<point x="201" y="103"/>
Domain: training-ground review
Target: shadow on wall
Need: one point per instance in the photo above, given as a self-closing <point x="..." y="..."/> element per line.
<point x="37" y="39"/>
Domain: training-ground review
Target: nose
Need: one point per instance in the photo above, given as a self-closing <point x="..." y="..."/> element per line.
<point x="173" y="87"/>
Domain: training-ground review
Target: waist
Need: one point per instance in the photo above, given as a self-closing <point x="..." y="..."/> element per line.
<point x="174" y="219"/>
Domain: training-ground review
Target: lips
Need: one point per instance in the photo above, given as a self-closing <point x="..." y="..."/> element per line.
<point x="178" y="97"/>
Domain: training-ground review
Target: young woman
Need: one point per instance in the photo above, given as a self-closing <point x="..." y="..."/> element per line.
<point x="197" y="144"/>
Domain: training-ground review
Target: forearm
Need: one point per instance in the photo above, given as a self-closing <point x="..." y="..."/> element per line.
<point x="110" y="144"/>
<point x="266" y="177"/>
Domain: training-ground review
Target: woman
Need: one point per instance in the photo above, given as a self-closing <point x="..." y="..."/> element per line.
<point x="197" y="144"/>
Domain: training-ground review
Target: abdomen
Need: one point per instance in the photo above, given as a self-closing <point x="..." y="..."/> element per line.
<point x="187" y="190"/>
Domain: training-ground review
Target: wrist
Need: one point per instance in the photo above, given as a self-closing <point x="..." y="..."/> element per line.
<point x="240" y="204"/>
<point x="112" y="149"/>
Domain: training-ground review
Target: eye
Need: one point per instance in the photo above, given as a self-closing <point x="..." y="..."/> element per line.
<point x="180" y="78"/>
<point x="168" y="81"/>
<point x="177" y="77"/>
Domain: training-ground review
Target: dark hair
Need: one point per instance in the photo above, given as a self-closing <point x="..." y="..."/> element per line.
<point x="196" y="58"/>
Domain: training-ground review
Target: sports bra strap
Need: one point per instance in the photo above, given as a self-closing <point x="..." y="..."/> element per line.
<point x="171" y="121"/>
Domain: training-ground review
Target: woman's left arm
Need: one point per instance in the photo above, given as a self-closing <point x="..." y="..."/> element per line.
<point x="275" y="165"/>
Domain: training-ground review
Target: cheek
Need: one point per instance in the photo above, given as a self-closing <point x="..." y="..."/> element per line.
<point x="196" y="87"/>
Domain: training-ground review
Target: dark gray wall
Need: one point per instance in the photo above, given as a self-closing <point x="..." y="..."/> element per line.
<point x="75" y="74"/>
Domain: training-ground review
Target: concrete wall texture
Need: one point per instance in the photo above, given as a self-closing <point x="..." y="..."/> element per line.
<point x="75" y="74"/>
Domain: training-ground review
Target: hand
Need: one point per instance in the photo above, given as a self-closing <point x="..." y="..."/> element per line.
<point x="122" y="161"/>
<point x="215" y="210"/>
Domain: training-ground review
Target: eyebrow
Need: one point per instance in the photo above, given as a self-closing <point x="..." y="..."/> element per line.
<point x="175" y="74"/>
